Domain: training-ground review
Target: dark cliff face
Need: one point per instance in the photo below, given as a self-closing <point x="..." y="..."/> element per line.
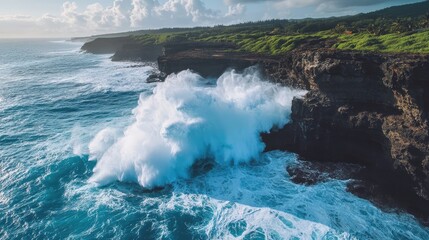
<point x="361" y="108"/>
<point x="138" y="52"/>
<point x="124" y="49"/>
<point x="208" y="62"/>
<point x="106" y="45"/>
<point x="365" y="108"/>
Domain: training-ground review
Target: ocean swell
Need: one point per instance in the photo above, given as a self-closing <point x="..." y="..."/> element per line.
<point x="186" y="119"/>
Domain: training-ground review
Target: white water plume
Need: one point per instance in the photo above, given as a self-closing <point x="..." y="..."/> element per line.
<point x="188" y="118"/>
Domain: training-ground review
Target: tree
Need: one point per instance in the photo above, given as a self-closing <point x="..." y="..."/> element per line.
<point x="340" y="28"/>
<point x="426" y="21"/>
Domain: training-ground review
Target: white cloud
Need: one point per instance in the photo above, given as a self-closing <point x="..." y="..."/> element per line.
<point x="299" y="3"/>
<point x="140" y="10"/>
<point x="235" y="10"/>
<point x="296" y="3"/>
<point x="121" y="15"/>
<point x="320" y="6"/>
<point x="152" y="13"/>
<point x="124" y="15"/>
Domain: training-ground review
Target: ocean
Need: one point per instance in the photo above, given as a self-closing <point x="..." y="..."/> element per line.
<point x="89" y="150"/>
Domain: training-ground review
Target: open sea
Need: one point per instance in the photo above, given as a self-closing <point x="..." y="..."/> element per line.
<point x="89" y="150"/>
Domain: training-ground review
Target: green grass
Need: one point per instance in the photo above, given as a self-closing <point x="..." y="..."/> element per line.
<point x="389" y="43"/>
<point x="279" y="44"/>
<point x="265" y="42"/>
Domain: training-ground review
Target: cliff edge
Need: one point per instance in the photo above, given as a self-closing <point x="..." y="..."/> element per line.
<point x="364" y="108"/>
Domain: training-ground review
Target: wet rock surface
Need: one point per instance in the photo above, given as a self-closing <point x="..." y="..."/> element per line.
<point x="156" y="76"/>
<point x="310" y="173"/>
<point x="369" y="109"/>
<point x="356" y="176"/>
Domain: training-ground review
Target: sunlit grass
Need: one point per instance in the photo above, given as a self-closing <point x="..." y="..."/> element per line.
<point x="276" y="44"/>
<point x="389" y="43"/>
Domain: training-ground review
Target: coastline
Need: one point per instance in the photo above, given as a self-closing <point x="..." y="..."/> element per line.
<point x="363" y="108"/>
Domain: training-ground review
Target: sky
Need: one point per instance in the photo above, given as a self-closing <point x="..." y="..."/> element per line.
<point x="57" y="18"/>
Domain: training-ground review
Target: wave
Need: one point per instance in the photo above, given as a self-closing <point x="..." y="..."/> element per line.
<point x="68" y="42"/>
<point x="186" y="119"/>
<point x="65" y="52"/>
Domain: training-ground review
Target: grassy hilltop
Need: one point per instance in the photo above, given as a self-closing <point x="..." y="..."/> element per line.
<point x="393" y="30"/>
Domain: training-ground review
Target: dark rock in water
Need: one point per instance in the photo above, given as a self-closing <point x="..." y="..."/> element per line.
<point x="202" y="166"/>
<point x="156" y="77"/>
<point x="310" y="173"/>
<point x="107" y="45"/>
<point x="388" y="201"/>
<point x="374" y="193"/>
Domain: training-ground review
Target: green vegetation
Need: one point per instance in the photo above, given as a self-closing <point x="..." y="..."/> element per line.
<point x="405" y="42"/>
<point x="396" y="29"/>
<point x="266" y="43"/>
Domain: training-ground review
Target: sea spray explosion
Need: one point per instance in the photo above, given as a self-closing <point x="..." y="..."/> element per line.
<point x="187" y="119"/>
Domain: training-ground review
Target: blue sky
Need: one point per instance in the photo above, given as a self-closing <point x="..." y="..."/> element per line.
<point x="56" y="18"/>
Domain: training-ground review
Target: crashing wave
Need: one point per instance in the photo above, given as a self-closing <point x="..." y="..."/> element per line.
<point x="188" y="118"/>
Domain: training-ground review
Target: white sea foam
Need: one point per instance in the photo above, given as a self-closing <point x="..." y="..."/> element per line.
<point x="1" y="102"/>
<point x="259" y="201"/>
<point x="102" y="142"/>
<point x="3" y="199"/>
<point x="188" y="118"/>
<point x="66" y="42"/>
<point x="251" y="202"/>
<point x="65" y="52"/>
<point x="76" y="141"/>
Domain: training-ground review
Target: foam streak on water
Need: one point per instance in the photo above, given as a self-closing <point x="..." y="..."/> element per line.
<point x="59" y="108"/>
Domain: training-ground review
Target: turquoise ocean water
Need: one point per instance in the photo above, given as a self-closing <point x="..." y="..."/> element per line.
<point x="60" y="108"/>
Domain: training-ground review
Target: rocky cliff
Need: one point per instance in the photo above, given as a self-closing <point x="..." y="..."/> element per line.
<point x="362" y="108"/>
<point x="106" y="45"/>
<point x="208" y="63"/>
<point x="138" y="52"/>
<point x="365" y="108"/>
<point x="124" y="49"/>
